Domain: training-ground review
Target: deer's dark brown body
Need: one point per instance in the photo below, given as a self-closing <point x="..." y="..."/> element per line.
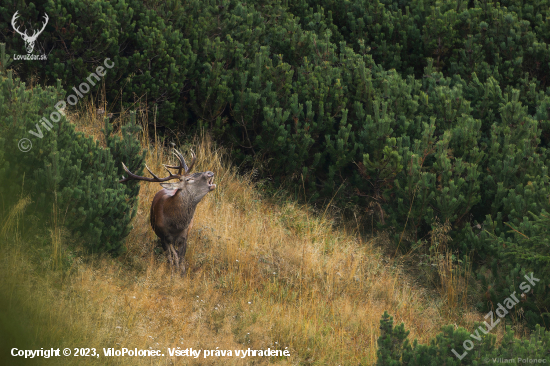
<point x="173" y="207"/>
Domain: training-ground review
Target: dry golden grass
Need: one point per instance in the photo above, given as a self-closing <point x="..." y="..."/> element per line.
<point x="260" y="275"/>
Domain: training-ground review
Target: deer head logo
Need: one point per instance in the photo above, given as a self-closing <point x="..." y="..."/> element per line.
<point x="29" y="40"/>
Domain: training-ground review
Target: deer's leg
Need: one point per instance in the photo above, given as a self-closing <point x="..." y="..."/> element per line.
<point x="181" y="245"/>
<point x="174" y="258"/>
<point x="170" y="259"/>
<point x="164" y="244"/>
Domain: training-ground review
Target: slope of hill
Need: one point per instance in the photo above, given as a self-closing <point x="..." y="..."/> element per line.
<point x="262" y="274"/>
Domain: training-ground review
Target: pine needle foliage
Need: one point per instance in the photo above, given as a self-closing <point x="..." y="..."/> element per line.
<point x="65" y="163"/>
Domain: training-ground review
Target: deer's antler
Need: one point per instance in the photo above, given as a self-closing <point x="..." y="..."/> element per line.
<point x="182" y="162"/>
<point x="181" y="168"/>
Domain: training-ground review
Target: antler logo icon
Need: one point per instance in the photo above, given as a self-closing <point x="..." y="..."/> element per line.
<point x="29" y="40"/>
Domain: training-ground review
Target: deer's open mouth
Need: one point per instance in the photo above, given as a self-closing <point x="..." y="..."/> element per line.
<point x="211" y="184"/>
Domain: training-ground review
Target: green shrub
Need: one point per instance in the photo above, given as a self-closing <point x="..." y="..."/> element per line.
<point x="409" y="110"/>
<point x="151" y="56"/>
<point x="524" y="249"/>
<point x="394" y="349"/>
<point x="66" y="166"/>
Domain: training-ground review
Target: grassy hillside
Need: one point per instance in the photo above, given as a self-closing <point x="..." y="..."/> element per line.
<point x="418" y="130"/>
<point x="262" y="273"/>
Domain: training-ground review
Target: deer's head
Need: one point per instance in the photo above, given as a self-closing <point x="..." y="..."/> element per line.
<point x="194" y="186"/>
<point x="29" y="40"/>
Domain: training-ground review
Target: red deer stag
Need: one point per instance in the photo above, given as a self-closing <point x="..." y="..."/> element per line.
<point x="173" y="207"/>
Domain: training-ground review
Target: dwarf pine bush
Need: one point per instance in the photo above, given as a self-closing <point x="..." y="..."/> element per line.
<point x="66" y="166"/>
<point x="394" y="349"/>
<point x="411" y="111"/>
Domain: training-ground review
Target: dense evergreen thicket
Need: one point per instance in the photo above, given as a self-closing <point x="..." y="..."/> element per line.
<point x="411" y="110"/>
<point x="66" y="168"/>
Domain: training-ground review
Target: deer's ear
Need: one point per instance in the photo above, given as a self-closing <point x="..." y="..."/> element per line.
<point x="169" y="186"/>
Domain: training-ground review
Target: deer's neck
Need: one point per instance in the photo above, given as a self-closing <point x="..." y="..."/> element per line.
<point x="186" y="206"/>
